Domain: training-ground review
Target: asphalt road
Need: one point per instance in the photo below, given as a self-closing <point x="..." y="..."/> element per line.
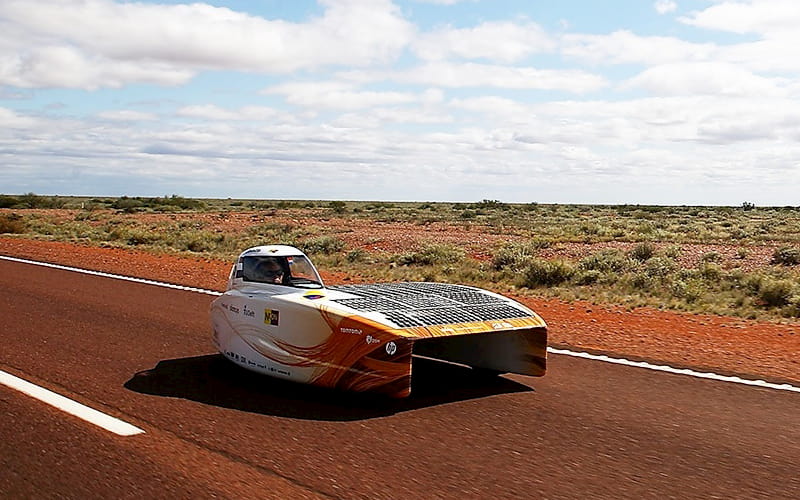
<point x="143" y="354"/>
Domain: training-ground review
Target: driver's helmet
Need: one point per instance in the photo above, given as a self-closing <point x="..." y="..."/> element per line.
<point x="267" y="270"/>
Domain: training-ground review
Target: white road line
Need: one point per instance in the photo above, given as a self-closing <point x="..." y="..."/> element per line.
<point x="90" y="415"/>
<point x="553" y="350"/>
<point x="680" y="371"/>
<point x="109" y="275"/>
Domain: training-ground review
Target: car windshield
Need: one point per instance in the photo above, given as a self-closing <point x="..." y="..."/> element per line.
<point x="295" y="270"/>
<point x="302" y="272"/>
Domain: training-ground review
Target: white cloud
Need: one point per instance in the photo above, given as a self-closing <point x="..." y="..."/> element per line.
<point x="665" y="6"/>
<point x="474" y="75"/>
<point x="508" y="150"/>
<point x="101" y="43"/>
<point x="66" y="67"/>
<point x="245" y="113"/>
<point x="495" y="41"/>
<point x="336" y="95"/>
<point x="754" y="16"/>
<point x="625" y="47"/>
<point x="126" y="115"/>
<point x="507" y="109"/>
<point x="359" y="103"/>
<point x="705" y="79"/>
<point x="9" y="120"/>
<point x="773" y="54"/>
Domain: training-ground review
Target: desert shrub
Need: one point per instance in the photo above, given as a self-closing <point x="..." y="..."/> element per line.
<point x="587" y="277"/>
<point x="431" y="255"/>
<point x="547" y="273"/>
<point x="322" y="245"/>
<point x="672" y="251"/>
<point x="272" y="231"/>
<point x="776" y="292"/>
<point x="514" y="256"/>
<point x="751" y="283"/>
<point x="659" y="267"/>
<point x="588" y="228"/>
<point x="33" y="200"/>
<point x="11" y="224"/>
<point x="710" y="271"/>
<point x="640" y="280"/>
<point x="167" y="203"/>
<point x="338" y="206"/>
<point x="133" y="236"/>
<point x="711" y="257"/>
<point x="689" y="291"/>
<point x="609" y="260"/>
<point x="8" y="201"/>
<point x="128" y="205"/>
<point x="199" y="241"/>
<point x="792" y="309"/>
<point x="786" y="256"/>
<point x="356" y="255"/>
<point x="738" y="233"/>
<point x="175" y="201"/>
<point x="643" y="251"/>
<point x="489" y="204"/>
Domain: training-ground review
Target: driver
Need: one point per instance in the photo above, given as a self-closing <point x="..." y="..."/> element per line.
<point x="269" y="270"/>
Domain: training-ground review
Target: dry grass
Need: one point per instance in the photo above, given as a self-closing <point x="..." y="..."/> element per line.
<point x="742" y="261"/>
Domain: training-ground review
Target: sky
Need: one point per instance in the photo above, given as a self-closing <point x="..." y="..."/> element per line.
<point x="657" y="102"/>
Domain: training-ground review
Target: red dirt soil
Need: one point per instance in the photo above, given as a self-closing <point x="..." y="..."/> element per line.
<point x="730" y="346"/>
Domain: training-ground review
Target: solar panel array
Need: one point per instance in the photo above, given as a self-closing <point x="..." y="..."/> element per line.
<point x="428" y="304"/>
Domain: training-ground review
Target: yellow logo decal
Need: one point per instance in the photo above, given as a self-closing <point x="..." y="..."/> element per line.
<point x="271" y="317"/>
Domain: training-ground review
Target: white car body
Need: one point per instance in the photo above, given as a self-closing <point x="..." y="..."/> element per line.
<point x="362" y="337"/>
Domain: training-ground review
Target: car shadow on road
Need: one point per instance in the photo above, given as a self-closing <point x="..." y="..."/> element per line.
<point x="213" y="380"/>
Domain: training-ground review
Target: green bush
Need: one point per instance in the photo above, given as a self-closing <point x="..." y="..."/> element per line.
<point x="643" y="251"/>
<point x="659" y="267"/>
<point x="128" y="205"/>
<point x="271" y="231"/>
<point x="199" y="241"/>
<point x="490" y="204"/>
<point x="167" y="203"/>
<point x="8" y="201"/>
<point x="776" y="292"/>
<point x="710" y="271"/>
<point x="689" y="291"/>
<point x="640" y="280"/>
<point x="322" y="245"/>
<point x="673" y="251"/>
<point x="786" y="256"/>
<point x="587" y="277"/>
<point x="609" y="260"/>
<point x="338" y="206"/>
<point x="177" y="202"/>
<point x="356" y="255"/>
<point x="32" y="200"/>
<point x="547" y="273"/>
<point x="514" y="256"/>
<point x="432" y="255"/>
